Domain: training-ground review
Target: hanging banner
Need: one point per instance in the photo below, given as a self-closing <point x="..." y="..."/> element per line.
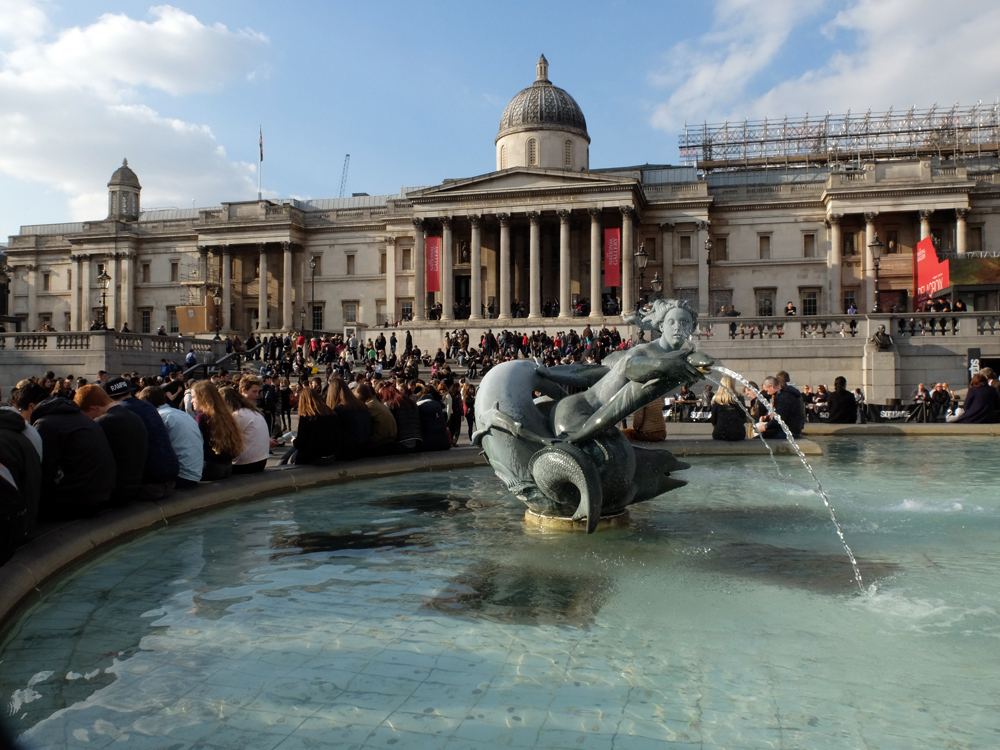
<point x="433" y="254"/>
<point x="930" y="275"/>
<point x="612" y="257"/>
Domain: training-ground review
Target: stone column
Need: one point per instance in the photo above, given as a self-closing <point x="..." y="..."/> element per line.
<point x="596" y="309"/>
<point x="628" y="294"/>
<point x="476" y="291"/>
<point x="667" y="253"/>
<point x="565" y="297"/>
<point x="128" y="291"/>
<point x="447" y="270"/>
<point x="203" y="272"/>
<point x="74" y="296"/>
<point x="925" y="223"/>
<point x="833" y="270"/>
<point x="419" y="271"/>
<point x="287" y="314"/>
<point x="390" y="279"/>
<point x="703" y="290"/>
<point x="504" y="265"/>
<point x="112" y="269"/>
<point x="225" y="324"/>
<point x="869" y="261"/>
<point x="32" y="297"/>
<point x="262" y="290"/>
<point x="960" y="230"/>
<point x="535" y="277"/>
<point x="86" y="294"/>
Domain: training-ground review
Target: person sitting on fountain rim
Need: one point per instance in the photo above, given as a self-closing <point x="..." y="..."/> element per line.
<point x="843" y="405"/>
<point x="787" y="403"/>
<point x="648" y="424"/>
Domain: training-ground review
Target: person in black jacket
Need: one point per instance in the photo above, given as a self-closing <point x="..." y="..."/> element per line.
<point x="22" y="461"/>
<point x="843" y="406"/>
<point x="409" y="435"/>
<point x="787" y="402"/>
<point x="126" y="436"/>
<point x="320" y="434"/>
<point x="161" y="467"/>
<point x="433" y="420"/>
<point x="728" y="418"/>
<point x="78" y="468"/>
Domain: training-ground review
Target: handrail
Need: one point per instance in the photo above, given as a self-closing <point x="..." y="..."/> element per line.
<point x="219" y="361"/>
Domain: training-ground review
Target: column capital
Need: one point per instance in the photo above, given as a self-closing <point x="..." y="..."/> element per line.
<point x="666" y="227"/>
<point x="533" y="216"/>
<point x="30" y="266"/>
<point x="834" y="219"/>
<point x="961" y="213"/>
<point x="475" y="219"/>
<point x="870" y="216"/>
<point x="627" y="211"/>
<point x="262" y="247"/>
<point x="389" y="239"/>
<point x="595" y="214"/>
<point x="925" y="213"/>
<point x="563" y="214"/>
<point x="226" y="250"/>
<point x="504" y="219"/>
<point x="286" y="246"/>
<point x="703" y="226"/>
<point x="202" y="250"/>
<point x="418" y="223"/>
<point x="445" y="222"/>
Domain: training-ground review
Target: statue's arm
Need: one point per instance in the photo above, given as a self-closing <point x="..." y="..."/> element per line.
<point x="673" y="365"/>
<point x="582" y="376"/>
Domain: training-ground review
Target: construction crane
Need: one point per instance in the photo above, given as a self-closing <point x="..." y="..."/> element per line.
<point x="343" y="177"/>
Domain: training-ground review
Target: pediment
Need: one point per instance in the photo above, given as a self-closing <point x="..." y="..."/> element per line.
<point x="521" y="180"/>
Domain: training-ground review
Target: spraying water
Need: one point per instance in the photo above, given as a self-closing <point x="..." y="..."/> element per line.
<point x="801" y="455"/>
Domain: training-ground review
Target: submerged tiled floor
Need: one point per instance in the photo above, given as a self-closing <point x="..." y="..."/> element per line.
<point x="417" y="612"/>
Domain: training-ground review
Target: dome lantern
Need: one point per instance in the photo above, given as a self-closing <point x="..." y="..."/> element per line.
<point x="123" y="194"/>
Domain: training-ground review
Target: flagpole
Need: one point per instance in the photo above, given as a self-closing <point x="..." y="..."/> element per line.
<point x="260" y="163"/>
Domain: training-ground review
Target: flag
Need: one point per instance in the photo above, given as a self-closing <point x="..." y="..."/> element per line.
<point x="612" y="257"/>
<point x="432" y="247"/>
<point x="262" y="145"/>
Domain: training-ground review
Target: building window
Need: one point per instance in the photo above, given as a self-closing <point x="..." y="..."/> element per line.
<point x="892" y="241"/>
<point x="720" y="249"/>
<point x="146" y="273"/>
<point x="691" y="295"/>
<point x="350" y="265"/>
<point x="381" y="263"/>
<point x="850" y="241"/>
<point x="974" y="240"/>
<point x="810" y="302"/>
<point x="175" y="271"/>
<point x="503" y="157"/>
<point x="317" y="317"/>
<point x="684" y="253"/>
<point x="568" y="154"/>
<point x="850" y="299"/>
<point x="650" y="244"/>
<point x="145" y="321"/>
<point x="765" y="301"/>
<point x="174" y="326"/>
<point x="100" y="270"/>
<point x="69" y="282"/>
<point x="809" y="246"/>
<point x="532" y="148"/>
<point x="350" y="312"/>
<point x="764" y="247"/>
<point x="406" y="308"/>
<point x="407" y="259"/>
<point x="45" y="282"/>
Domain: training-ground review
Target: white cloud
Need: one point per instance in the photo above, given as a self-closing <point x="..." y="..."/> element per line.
<point x="71" y="106"/>
<point x="893" y="53"/>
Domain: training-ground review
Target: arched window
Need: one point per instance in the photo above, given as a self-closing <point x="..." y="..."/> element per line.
<point x="503" y="157"/>
<point x="532" y="152"/>
<point x="568" y="154"/>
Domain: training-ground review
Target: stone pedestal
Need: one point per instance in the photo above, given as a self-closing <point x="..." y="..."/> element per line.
<point x="565" y="523"/>
<point x="881" y="374"/>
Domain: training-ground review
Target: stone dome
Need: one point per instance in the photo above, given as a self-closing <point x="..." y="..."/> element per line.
<point x="542" y="106"/>
<point x="124" y="176"/>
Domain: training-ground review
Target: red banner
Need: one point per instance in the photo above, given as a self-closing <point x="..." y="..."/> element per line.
<point x="433" y="254"/>
<point x="612" y="257"/>
<point x="930" y="275"/>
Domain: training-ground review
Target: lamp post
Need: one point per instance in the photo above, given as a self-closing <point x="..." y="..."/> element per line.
<point x="641" y="259"/>
<point x="105" y="281"/>
<point x="657" y="284"/>
<point x="876" y="246"/>
<point x="708" y="265"/>
<point x="312" y="302"/>
<point x="217" y="299"/>
<point x="302" y="318"/>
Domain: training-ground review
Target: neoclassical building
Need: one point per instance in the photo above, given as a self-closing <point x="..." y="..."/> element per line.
<point x="526" y="239"/>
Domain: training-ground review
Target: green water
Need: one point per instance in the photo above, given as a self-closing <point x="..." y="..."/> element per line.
<point x="418" y="611"/>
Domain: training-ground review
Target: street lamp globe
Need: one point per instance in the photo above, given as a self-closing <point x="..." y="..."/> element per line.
<point x="876" y="246"/>
<point x="641" y="257"/>
<point x="104" y="279"/>
<point x="656" y="283"/>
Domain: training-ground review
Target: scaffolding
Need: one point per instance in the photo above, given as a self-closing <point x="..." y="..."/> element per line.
<point x="958" y="133"/>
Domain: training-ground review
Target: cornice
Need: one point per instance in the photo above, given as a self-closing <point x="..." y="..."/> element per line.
<point x="499" y="196"/>
<point x="897" y="191"/>
<point x="736" y="207"/>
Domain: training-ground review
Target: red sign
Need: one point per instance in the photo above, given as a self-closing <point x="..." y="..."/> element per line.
<point x="930" y="275"/>
<point x="612" y="257"/>
<point x="433" y="250"/>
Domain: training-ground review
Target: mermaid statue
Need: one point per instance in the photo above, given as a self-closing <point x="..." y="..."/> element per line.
<point x="562" y="453"/>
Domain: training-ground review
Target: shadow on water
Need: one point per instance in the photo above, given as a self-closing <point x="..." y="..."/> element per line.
<point x="332" y="542"/>
<point x="433" y="502"/>
<point x="524" y="595"/>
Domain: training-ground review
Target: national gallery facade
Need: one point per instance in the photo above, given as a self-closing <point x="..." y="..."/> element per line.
<point x="754" y="218"/>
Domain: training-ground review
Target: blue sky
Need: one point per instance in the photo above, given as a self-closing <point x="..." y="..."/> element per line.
<point x="414" y="91"/>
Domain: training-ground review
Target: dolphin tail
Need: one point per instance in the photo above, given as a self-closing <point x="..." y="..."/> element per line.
<point x="564" y="471"/>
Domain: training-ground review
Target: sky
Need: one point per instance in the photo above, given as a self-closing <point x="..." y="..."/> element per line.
<point x="414" y="91"/>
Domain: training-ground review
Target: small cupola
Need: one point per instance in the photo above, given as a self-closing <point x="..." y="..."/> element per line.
<point x="123" y="194"/>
